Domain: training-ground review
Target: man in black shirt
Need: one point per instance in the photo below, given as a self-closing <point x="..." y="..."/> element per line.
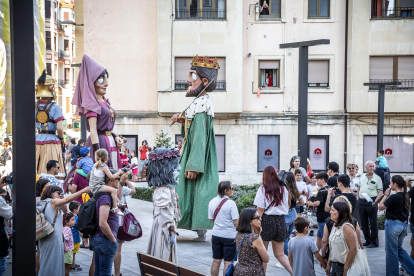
<point x="344" y="187"/>
<point x="321" y="215"/>
<point x="333" y="171"/>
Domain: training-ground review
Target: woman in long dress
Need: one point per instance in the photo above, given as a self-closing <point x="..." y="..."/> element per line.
<point x="51" y="248"/>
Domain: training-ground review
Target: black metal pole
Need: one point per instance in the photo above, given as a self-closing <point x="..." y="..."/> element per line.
<point x="24" y="150"/>
<point x="380" y="123"/>
<point x="303" y="106"/>
<point x="83" y="127"/>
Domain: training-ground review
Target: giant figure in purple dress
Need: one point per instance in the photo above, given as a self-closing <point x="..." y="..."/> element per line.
<point x="90" y="101"/>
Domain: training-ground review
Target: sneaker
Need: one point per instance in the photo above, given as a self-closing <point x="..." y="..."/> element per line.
<point x="311" y="233"/>
<point x="200" y="239"/>
<point x="294" y="233"/>
<point x="279" y="265"/>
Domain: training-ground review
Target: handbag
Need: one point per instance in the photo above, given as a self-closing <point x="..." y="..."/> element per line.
<point x="43" y="227"/>
<point x="359" y="266"/>
<point x="130" y="228"/>
<point x="230" y="268"/>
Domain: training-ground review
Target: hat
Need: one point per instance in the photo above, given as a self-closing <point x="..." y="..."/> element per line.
<point x="84" y="151"/>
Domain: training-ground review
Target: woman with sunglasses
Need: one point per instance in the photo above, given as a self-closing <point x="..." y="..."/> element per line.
<point x="272" y="201"/>
<point x="252" y="254"/>
<point x="295" y="165"/>
<point x="52" y="260"/>
<point x="352" y="172"/>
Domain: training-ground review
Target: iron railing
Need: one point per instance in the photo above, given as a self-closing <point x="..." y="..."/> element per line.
<point x="62" y="54"/>
<point x="192" y="14"/>
<point x="391" y="13"/>
<point x="406" y="84"/>
<point x="183" y="85"/>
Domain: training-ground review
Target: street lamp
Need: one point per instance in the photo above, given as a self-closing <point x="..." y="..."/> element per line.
<point x="70" y="22"/>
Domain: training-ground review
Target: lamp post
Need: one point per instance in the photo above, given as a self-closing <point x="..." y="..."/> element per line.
<point x="381" y="108"/>
<point x="303" y="94"/>
<point x="83" y="119"/>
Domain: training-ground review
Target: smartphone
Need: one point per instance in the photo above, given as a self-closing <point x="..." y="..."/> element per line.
<point x="264" y="2"/>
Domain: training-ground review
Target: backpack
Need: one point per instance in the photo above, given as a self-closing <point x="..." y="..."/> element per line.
<point x="87" y="221"/>
<point x="387" y="178"/>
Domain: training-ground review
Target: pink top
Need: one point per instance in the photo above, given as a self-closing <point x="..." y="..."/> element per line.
<point x="67" y="234"/>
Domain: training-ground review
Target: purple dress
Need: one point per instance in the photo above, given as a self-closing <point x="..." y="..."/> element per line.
<point x="105" y="122"/>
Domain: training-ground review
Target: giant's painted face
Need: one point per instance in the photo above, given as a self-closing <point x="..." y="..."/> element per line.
<point x="195" y="84"/>
<point x="101" y="84"/>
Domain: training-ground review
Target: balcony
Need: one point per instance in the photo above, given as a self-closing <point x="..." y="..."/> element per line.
<point x="406" y="85"/>
<point x="183" y="85"/>
<point x="392" y="13"/>
<point x="195" y="14"/>
<point x="62" y="54"/>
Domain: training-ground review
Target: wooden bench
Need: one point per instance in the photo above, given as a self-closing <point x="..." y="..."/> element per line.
<point x="151" y="266"/>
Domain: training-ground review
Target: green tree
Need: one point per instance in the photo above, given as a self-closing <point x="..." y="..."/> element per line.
<point x="162" y="140"/>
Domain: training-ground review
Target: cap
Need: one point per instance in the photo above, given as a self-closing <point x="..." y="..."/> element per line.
<point x="84" y="151"/>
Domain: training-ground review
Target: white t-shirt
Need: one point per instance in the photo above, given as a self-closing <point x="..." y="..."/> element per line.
<point x="134" y="160"/>
<point x="262" y="202"/>
<point x="312" y="188"/>
<point x="223" y="225"/>
<point x="302" y="187"/>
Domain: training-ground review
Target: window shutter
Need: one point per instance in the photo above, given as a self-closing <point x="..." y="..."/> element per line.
<point x="222" y="71"/>
<point x="324" y="8"/>
<point x="275" y="8"/>
<point x="380" y="68"/>
<point x="313" y="7"/>
<point x="406" y="68"/>
<point x="182" y="68"/>
<point x="269" y="64"/>
<point x="318" y="71"/>
<point x="66" y="16"/>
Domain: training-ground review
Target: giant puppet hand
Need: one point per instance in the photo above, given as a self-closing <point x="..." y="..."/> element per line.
<point x="190" y="175"/>
<point x="176" y="118"/>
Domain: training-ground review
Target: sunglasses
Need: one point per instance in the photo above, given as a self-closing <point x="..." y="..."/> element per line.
<point x="256" y="217"/>
<point x="351" y="168"/>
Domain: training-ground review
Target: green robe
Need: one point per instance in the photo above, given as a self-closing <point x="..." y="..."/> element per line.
<point x="199" y="155"/>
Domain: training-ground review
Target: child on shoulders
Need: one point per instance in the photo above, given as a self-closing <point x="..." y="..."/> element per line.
<point x="85" y="163"/>
<point x="382" y="162"/>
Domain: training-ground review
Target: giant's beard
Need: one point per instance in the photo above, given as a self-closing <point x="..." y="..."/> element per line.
<point x="195" y="92"/>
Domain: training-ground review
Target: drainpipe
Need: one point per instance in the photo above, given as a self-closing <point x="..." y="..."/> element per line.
<point x="345" y="87"/>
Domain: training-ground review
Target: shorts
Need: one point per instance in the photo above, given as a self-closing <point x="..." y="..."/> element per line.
<point x="299" y="209"/>
<point x="412" y="230"/>
<point x="69" y="257"/>
<point x="223" y="248"/>
<point x="274" y="228"/>
<point x="119" y="241"/>
<point x="321" y="226"/>
<point x="76" y="247"/>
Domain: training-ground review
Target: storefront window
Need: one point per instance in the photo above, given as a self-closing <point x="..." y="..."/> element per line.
<point x="268" y="151"/>
<point x="318" y="152"/>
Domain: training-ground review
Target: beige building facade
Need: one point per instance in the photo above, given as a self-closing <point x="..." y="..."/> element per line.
<point x="147" y="48"/>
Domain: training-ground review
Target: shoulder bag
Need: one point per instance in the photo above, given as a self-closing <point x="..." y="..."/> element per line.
<point x="43" y="227"/>
<point x="230" y="268"/>
<point x="359" y="266"/>
<point x="218" y="208"/>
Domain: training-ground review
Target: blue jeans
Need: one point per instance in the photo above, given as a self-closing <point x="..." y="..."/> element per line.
<point x="321" y="227"/>
<point x="105" y="251"/>
<point x="3" y="264"/>
<point x="289" y="218"/>
<point x="395" y="232"/>
<point x="141" y="165"/>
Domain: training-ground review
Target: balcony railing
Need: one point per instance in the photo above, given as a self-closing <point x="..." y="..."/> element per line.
<point x="62" y="54"/>
<point x="406" y="84"/>
<point x="183" y="85"/>
<point x="193" y="14"/>
<point x="393" y="13"/>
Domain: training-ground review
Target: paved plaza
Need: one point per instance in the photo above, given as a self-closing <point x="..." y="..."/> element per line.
<point x="198" y="255"/>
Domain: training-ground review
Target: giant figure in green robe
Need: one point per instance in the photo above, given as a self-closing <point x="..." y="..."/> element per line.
<point x="198" y="179"/>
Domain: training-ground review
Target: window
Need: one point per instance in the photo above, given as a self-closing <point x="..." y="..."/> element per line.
<point x="67" y="105"/>
<point x="392" y="9"/>
<point x="392" y="68"/>
<point x="56" y="14"/>
<point x="73" y="48"/>
<point x="56" y="72"/>
<point x="66" y="16"/>
<point x="318" y="73"/>
<point x="132" y="144"/>
<point x="47" y="9"/>
<point x="49" y="69"/>
<point x="66" y="45"/>
<point x="318" y="8"/>
<point x="318" y="152"/>
<point x="67" y="74"/>
<point x="399" y="151"/>
<point x="48" y="41"/>
<point x="269" y="9"/>
<point x="191" y="9"/>
<point x="55" y="43"/>
<point x="269" y="73"/>
<point x="268" y="151"/>
<point x="221" y="152"/>
<point x="182" y="69"/>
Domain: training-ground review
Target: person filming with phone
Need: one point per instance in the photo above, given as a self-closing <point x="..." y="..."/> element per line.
<point x="264" y="9"/>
